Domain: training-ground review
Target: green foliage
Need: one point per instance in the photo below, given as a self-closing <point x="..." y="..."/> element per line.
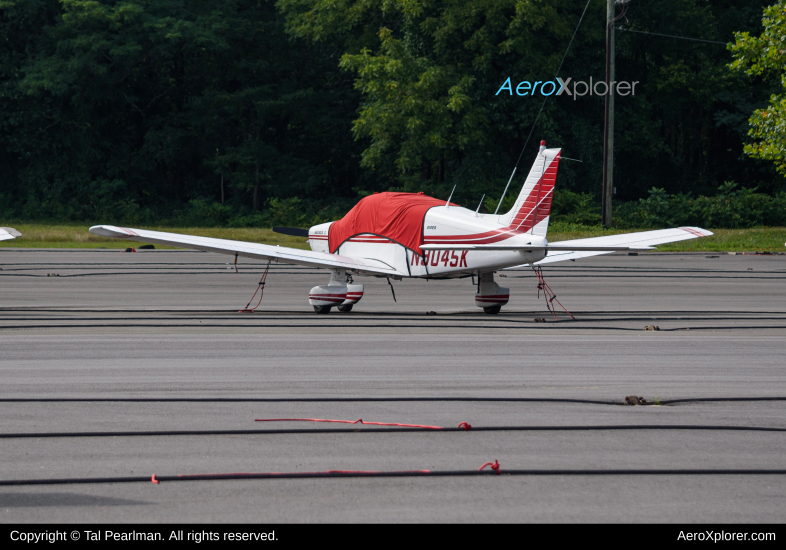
<point x="430" y="116"/>
<point x="428" y="77"/>
<point x="575" y="208"/>
<point x="732" y="207"/>
<point x="654" y="211"/>
<point x="765" y="55"/>
<point x="140" y="111"/>
<point x="291" y="212"/>
<point x="173" y="100"/>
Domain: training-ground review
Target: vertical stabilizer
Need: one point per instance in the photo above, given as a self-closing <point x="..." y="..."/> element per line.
<point x="531" y="210"/>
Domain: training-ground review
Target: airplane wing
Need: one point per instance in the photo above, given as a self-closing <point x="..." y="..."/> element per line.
<point x="281" y="254"/>
<point x="7" y="233"/>
<point x="584" y="248"/>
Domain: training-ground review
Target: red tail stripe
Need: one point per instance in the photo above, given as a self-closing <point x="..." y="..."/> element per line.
<point x="531" y="212"/>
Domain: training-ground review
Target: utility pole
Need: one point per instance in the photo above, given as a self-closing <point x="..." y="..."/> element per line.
<point x="608" y="127"/>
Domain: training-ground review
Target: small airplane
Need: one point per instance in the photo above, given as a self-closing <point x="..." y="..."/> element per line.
<point x="403" y="235"/>
<point x="8" y="233"/>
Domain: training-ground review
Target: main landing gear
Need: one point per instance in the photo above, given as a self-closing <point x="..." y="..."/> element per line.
<point x="489" y="295"/>
<point x="340" y="292"/>
<point x="323" y="310"/>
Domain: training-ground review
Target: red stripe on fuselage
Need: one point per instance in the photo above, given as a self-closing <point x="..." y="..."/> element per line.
<point x="489" y="237"/>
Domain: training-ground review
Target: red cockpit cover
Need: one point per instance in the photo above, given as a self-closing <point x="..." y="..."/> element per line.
<point x="396" y="216"/>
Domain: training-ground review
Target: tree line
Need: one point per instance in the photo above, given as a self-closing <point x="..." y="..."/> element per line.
<point x="253" y="112"/>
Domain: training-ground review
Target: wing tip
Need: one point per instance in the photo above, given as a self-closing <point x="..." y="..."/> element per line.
<point x="11" y="231"/>
<point x="697" y="231"/>
<point x="108" y="231"/>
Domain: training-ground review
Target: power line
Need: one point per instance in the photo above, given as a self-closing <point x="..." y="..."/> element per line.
<point x="541" y="108"/>
<point x="673" y="36"/>
<point x="555" y="76"/>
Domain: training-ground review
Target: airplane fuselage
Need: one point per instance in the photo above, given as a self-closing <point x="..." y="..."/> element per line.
<point x="441" y="225"/>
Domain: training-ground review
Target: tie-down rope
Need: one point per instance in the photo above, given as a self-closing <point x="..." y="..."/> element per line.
<point x="548" y="294"/>
<point x="260" y="289"/>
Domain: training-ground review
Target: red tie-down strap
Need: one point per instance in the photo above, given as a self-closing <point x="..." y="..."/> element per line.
<point x="494" y="466"/>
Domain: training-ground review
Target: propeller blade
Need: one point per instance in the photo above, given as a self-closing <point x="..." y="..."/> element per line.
<point x="293" y="231"/>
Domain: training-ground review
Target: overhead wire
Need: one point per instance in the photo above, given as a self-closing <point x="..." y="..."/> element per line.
<point x="673" y="36"/>
<point x="541" y="106"/>
<point x="622" y="14"/>
<point x="555" y="76"/>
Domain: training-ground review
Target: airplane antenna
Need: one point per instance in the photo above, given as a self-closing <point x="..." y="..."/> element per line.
<point x="447" y="204"/>
<point x="481" y="204"/>
<point x="506" y="189"/>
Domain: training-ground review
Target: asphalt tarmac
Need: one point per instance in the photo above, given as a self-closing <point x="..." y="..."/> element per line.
<point x="104" y="354"/>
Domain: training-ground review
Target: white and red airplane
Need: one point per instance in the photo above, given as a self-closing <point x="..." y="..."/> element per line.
<point x="402" y="235"/>
<point x="7" y="233"/>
